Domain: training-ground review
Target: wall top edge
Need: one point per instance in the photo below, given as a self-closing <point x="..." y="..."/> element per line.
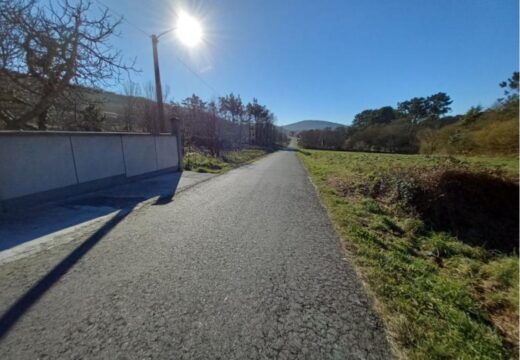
<point x="73" y="133"/>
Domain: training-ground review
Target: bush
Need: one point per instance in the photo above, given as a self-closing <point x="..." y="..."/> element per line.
<point x="494" y="131"/>
<point x="478" y="207"/>
<point x="498" y="138"/>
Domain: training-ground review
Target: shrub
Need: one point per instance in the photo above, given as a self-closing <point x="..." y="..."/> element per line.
<point x="479" y="207"/>
<point x="494" y="131"/>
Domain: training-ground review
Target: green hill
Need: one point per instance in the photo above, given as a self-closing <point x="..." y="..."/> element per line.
<point x="310" y="125"/>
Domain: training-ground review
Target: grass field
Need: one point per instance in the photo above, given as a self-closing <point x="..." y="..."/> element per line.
<point x="503" y="163"/>
<point x="202" y="162"/>
<point x="444" y="291"/>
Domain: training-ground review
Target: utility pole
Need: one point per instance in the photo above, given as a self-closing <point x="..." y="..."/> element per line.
<point x="159" y="120"/>
<point x="190" y="33"/>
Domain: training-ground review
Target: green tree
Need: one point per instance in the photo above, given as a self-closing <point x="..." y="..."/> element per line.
<point x="194" y="103"/>
<point x="438" y="105"/>
<point x="416" y="109"/>
<point x="232" y="108"/>
<point x="510" y="87"/>
<point x="194" y="124"/>
<point x="384" y="115"/>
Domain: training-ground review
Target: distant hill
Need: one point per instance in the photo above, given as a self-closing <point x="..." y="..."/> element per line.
<point x="310" y="125"/>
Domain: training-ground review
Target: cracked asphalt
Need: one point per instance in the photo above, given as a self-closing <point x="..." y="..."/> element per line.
<point x="244" y="266"/>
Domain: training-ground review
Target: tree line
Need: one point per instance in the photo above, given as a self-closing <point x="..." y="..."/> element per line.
<point x="227" y="122"/>
<point x="223" y="122"/>
<point x="386" y="129"/>
<point x="420" y="124"/>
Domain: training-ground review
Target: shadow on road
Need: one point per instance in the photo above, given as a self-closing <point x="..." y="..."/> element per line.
<point x="164" y="199"/>
<point x="17" y="228"/>
<point x="18" y="309"/>
<point x="125" y="204"/>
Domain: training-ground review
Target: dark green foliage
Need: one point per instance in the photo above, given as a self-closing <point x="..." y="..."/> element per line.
<point x="398" y="136"/>
<point x="367" y="118"/>
<point x="511" y="87"/>
<point x="324" y="139"/>
<point x="438" y="104"/>
<point x="415" y="109"/>
<point x="263" y="132"/>
<point x="420" y="109"/>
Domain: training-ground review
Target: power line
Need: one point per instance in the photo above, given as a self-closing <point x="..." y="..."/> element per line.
<point x="123" y="18"/>
<point x="215" y="92"/>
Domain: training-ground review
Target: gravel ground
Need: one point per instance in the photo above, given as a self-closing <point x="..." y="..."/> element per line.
<point x="243" y="266"/>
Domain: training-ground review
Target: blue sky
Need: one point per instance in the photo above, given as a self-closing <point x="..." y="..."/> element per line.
<point x="329" y="59"/>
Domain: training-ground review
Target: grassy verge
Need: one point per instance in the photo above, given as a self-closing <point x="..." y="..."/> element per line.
<point x="443" y="291"/>
<point x="508" y="164"/>
<point x="205" y="163"/>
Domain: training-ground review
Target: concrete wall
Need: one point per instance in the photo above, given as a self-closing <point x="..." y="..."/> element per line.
<point x="31" y="164"/>
<point x="97" y="156"/>
<point x="140" y="155"/>
<point x="39" y="162"/>
<point x="165" y="147"/>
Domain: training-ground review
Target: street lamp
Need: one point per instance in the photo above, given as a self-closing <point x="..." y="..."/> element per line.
<point x="189" y="32"/>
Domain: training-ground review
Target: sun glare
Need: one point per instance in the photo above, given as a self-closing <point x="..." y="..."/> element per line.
<point x="188" y="29"/>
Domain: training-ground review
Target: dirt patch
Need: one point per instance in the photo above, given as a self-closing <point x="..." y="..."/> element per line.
<point x="378" y="188"/>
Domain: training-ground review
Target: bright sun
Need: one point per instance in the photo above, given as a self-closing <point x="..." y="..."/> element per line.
<point x="188" y="29"/>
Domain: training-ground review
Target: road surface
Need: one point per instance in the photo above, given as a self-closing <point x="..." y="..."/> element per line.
<point x="243" y="266"/>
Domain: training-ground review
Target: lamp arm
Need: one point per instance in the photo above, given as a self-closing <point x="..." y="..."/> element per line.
<point x="165" y="32"/>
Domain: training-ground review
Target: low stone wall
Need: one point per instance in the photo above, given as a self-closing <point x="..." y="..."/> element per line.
<point x="36" y="166"/>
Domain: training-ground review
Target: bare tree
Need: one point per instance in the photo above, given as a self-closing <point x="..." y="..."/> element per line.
<point x="215" y="128"/>
<point x="150" y="107"/>
<point x="166" y="94"/>
<point x="149" y="90"/>
<point x="45" y="47"/>
<point x="132" y="91"/>
<point x="264" y="123"/>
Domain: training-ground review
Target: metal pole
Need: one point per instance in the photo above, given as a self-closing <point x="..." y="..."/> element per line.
<point x="159" y="121"/>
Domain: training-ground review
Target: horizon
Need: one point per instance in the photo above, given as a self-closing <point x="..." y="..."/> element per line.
<point x="463" y="48"/>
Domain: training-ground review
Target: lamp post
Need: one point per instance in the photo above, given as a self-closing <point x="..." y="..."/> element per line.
<point x="158" y="126"/>
<point x="189" y="32"/>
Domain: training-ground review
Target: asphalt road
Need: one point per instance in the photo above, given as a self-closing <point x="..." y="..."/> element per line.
<point x="243" y="266"/>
